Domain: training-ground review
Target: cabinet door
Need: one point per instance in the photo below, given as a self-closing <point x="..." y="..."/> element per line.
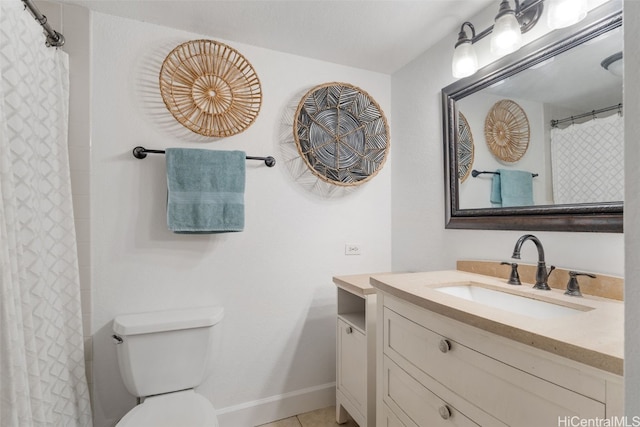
<point x="352" y="365"/>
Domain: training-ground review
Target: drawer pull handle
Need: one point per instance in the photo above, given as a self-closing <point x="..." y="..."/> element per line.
<point x="444" y="345"/>
<point x="349" y="330"/>
<point x="445" y="412"/>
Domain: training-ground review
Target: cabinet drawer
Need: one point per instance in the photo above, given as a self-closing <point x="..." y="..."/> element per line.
<point x="495" y="387"/>
<point x="426" y="403"/>
<point x="352" y="356"/>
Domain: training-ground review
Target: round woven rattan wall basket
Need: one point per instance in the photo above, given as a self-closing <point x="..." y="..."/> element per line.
<point x="210" y="88"/>
<point x="506" y="130"/>
<point x="341" y="133"/>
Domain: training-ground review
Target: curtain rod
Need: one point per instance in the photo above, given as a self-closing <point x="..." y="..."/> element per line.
<point x="555" y="123"/>
<point x="54" y="38"/>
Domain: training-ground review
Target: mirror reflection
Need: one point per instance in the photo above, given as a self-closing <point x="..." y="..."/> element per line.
<point x="551" y="134"/>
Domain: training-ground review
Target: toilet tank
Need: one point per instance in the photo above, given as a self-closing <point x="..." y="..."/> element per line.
<point x="165" y="351"/>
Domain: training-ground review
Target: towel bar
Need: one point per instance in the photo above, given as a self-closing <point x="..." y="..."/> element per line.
<point x="475" y="173"/>
<point x="141" y="152"/>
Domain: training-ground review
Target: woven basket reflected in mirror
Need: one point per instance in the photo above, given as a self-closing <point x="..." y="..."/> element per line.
<point x="210" y="88"/>
<point x="341" y="134"/>
<point x="465" y="148"/>
<point x="506" y="130"/>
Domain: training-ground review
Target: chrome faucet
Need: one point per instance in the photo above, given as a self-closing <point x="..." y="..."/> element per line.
<point x="542" y="275"/>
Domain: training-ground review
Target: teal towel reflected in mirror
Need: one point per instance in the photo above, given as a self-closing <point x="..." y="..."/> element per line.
<point x="510" y="188"/>
<point x="205" y="190"/>
<point x="496" y="196"/>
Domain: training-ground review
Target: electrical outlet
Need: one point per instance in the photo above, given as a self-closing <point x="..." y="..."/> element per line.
<point x="352" y="249"/>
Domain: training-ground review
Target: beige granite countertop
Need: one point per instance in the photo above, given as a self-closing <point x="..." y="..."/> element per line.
<point x="594" y="337"/>
<point x="357" y="284"/>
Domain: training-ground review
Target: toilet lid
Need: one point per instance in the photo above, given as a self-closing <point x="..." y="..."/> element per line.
<point x="180" y="409"/>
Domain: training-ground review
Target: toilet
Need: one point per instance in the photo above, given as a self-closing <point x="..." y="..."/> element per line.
<point x="162" y="356"/>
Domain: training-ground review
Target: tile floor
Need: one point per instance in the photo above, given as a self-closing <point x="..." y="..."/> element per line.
<point x="325" y="417"/>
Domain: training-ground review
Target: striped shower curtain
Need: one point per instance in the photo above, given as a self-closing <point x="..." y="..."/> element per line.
<point x="42" y="372"/>
<point x="587" y="161"/>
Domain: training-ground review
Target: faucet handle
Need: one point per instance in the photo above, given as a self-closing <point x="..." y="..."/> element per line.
<point x="573" y="288"/>
<point x="514" y="278"/>
<point x="551" y="268"/>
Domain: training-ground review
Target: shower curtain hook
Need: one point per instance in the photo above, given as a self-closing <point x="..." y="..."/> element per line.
<point x="593" y="114"/>
<point x="572" y="121"/>
<point x="620" y="110"/>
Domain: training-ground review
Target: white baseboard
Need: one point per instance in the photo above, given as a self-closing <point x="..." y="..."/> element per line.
<point x="273" y="408"/>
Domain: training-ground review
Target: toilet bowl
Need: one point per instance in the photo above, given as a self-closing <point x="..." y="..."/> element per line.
<point x="178" y="409"/>
<point x="162" y="356"/>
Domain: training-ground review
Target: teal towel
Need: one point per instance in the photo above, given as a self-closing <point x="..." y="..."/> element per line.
<point x="205" y="190"/>
<point x="516" y="188"/>
<point x="496" y="196"/>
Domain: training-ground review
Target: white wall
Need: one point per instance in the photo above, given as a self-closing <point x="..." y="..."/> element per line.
<point x="273" y="279"/>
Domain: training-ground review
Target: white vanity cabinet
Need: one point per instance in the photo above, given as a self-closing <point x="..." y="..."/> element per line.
<point x="356" y="350"/>
<point x="351" y="375"/>
<point x="436" y="371"/>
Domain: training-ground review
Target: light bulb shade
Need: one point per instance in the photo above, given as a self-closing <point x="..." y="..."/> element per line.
<point x="465" y="61"/>
<point x="563" y="13"/>
<point x="617" y="68"/>
<point x="506" y="36"/>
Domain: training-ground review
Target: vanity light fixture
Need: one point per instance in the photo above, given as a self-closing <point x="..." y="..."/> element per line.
<point x="506" y="37"/>
<point x="563" y="13"/>
<point x="465" y="61"/>
<point x="613" y="64"/>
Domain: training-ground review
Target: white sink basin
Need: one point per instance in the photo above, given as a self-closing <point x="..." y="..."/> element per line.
<point x="510" y="302"/>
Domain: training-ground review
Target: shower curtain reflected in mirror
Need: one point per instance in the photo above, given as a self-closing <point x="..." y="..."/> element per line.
<point x="42" y="371"/>
<point x="587" y="161"/>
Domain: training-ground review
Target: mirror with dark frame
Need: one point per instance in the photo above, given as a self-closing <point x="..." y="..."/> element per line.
<point x="551" y="89"/>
